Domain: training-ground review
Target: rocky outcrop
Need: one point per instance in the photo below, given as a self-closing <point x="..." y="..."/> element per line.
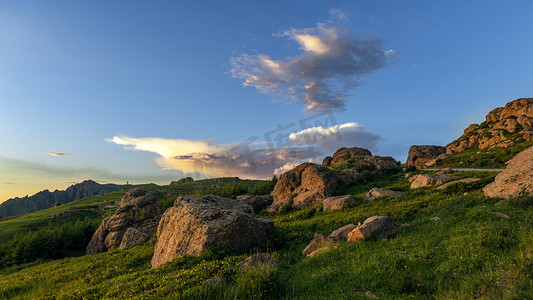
<point x="306" y="185"/>
<point x="419" y="155"/>
<point x="182" y="180"/>
<point x="133" y="223"/>
<point x="377" y="226"/>
<point x="378" y="192"/>
<point x="422" y="180"/>
<point x="516" y="179"/>
<point x="337" y="203"/>
<point x="194" y="225"/>
<point x="344" y="154"/>
<point x="503" y="128"/>
<point x="256" y="202"/>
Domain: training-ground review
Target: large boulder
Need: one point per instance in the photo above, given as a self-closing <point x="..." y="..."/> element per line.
<point x="379" y="192"/>
<point x="306" y="185"/>
<point x="194" y="225"/>
<point x="376" y="226"/>
<point x="182" y="180"/>
<point x="338" y="202"/>
<point x="134" y="222"/>
<point x="344" y="154"/>
<point x="516" y="179"/>
<point x="418" y="155"/>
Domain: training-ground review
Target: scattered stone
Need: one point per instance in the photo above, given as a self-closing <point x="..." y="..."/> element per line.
<point x="444" y="171"/>
<point x="435" y="219"/>
<point x="133" y="223"/>
<point x="337" y="203"/>
<point x="319" y="241"/>
<point x="418" y="155"/>
<point x="342" y="233"/>
<point x="215" y="281"/>
<point x="56" y="204"/>
<point x="517" y="178"/>
<point x="258" y="261"/>
<point x="422" y="180"/>
<point x="499" y="214"/>
<point x="405" y="225"/>
<point x="194" y="225"/>
<point x="378" y="192"/>
<point x="465" y="180"/>
<point x="306" y="185"/>
<point x="256" y="202"/>
<point x="376" y="226"/>
<point x="365" y="293"/>
<point x="503" y="202"/>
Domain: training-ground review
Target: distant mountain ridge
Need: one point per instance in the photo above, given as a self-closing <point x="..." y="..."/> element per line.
<point x="45" y="199"/>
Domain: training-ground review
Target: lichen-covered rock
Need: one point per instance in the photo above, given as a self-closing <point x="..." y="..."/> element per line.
<point x="306" y="185"/>
<point x="194" y="225"/>
<point x="418" y="155"/>
<point x="378" y="192"/>
<point x="338" y="202"/>
<point x="139" y="211"/>
<point x="376" y="226"/>
<point x="516" y="179"/>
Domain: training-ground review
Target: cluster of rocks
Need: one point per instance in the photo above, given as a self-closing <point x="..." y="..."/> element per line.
<point x="503" y="128"/>
<point x="374" y="227"/>
<point x="133" y="223"/>
<point x="182" y="180"/>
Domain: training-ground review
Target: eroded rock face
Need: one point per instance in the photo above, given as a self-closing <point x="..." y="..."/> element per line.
<point x="344" y="154"/>
<point x="418" y="155"/>
<point x="337" y="203"/>
<point x="516" y="179"/>
<point x="376" y="226"/>
<point x="134" y="222"/>
<point x="503" y="127"/>
<point x="378" y="192"/>
<point x="306" y="185"/>
<point x="194" y="225"/>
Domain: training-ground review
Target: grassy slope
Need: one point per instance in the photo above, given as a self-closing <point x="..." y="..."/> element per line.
<point x="470" y="253"/>
<point x="483" y="158"/>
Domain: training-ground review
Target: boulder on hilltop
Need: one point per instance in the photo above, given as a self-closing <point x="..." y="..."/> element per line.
<point x="516" y="179"/>
<point x="305" y="185"/>
<point x="503" y="128"/>
<point x="419" y="155"/>
<point x="194" y="225"/>
<point x="134" y="222"/>
<point x="344" y="154"/>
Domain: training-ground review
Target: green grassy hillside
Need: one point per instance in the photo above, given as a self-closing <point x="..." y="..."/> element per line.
<point x="471" y="252"/>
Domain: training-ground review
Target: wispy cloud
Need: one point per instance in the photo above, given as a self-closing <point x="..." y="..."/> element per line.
<point x="57" y="154"/>
<point x="7" y="183"/>
<point x="250" y="159"/>
<point x="332" y="138"/>
<point x="332" y="62"/>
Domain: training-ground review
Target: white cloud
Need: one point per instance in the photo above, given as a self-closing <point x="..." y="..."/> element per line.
<point x="57" y="154"/>
<point x="332" y="63"/>
<point x="332" y="138"/>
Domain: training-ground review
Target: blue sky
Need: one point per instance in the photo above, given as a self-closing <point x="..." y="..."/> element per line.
<point x="95" y="80"/>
